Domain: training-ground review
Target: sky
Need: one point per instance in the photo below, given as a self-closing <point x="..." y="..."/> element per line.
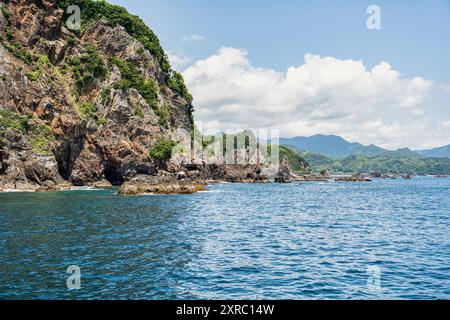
<point x="310" y="67"/>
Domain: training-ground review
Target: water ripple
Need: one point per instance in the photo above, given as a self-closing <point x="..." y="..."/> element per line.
<point x="297" y="241"/>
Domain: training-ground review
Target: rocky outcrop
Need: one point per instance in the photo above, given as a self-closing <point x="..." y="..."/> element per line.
<point x="234" y="173"/>
<point x="376" y="175"/>
<point x="87" y="108"/>
<point x="284" y="172"/>
<point x="165" y="184"/>
<point x="311" y="177"/>
<point x="20" y="167"/>
<point x="354" y="178"/>
<point x="103" y="115"/>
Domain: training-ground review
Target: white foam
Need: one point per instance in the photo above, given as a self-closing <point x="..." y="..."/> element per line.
<point x="17" y="191"/>
<point x="83" y="189"/>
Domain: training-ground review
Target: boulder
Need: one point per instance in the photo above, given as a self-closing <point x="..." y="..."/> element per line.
<point x="376" y="175"/>
<point x="102" y="184"/>
<point x="143" y="184"/>
<point x="284" y="173"/>
<point x="181" y="175"/>
<point x="354" y="178"/>
<point x="48" y="186"/>
<point x="311" y="177"/>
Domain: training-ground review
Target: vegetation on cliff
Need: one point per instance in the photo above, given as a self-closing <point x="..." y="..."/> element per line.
<point x="41" y="139"/>
<point x="16" y="49"/>
<point x="87" y="68"/>
<point x="247" y="140"/>
<point x="13" y="121"/>
<point x="90" y="110"/>
<point x="115" y="15"/>
<point x="385" y="164"/>
<point x="133" y="79"/>
<point x="39" y="136"/>
<point x="400" y="165"/>
<point x="82" y="98"/>
<point x="297" y="162"/>
<point x="162" y="150"/>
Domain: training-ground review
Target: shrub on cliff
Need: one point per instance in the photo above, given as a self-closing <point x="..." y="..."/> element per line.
<point x="89" y="67"/>
<point x="40" y="136"/>
<point x="162" y="150"/>
<point x="115" y="15"/>
<point x="176" y="83"/>
<point x="132" y="78"/>
<point x="296" y="161"/>
<point x="90" y="110"/>
<point x="16" y="49"/>
<point x="11" y="120"/>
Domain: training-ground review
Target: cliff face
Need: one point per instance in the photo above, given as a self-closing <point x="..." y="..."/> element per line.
<point x="82" y="106"/>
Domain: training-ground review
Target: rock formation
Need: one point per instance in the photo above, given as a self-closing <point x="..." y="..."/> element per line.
<point x="100" y="106"/>
<point x="84" y="106"/>
<point x="354" y="178"/>
<point x="284" y="172"/>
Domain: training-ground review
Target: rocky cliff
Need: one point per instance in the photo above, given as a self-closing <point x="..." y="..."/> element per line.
<point x="82" y="106"/>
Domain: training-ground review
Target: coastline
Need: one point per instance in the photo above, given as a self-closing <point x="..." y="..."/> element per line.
<point x="167" y="186"/>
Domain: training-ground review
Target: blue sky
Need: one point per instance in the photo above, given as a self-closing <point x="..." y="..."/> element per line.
<point x="275" y="35"/>
<point x="415" y="35"/>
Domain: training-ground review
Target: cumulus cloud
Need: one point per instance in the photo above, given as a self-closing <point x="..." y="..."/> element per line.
<point x="178" y="60"/>
<point x="445" y="88"/>
<point x="323" y="95"/>
<point x="193" y="38"/>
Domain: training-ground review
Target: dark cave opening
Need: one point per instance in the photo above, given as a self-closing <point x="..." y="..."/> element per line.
<point x="113" y="173"/>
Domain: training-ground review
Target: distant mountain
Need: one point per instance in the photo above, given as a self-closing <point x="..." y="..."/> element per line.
<point x="401" y="153"/>
<point x="388" y="163"/>
<point x="339" y="148"/>
<point x="333" y="146"/>
<point x="442" y="152"/>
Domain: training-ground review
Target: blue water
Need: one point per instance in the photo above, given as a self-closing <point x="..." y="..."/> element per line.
<point x="236" y="241"/>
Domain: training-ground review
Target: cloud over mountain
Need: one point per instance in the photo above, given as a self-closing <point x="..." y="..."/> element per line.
<point x="178" y="60"/>
<point x="323" y="95"/>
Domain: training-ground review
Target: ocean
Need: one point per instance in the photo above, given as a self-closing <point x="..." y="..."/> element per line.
<point x="386" y="239"/>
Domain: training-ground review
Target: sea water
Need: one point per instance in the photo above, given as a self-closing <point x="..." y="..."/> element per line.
<point x="386" y="239"/>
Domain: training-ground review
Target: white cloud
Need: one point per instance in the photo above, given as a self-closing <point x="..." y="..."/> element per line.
<point x="178" y="60"/>
<point x="324" y="95"/>
<point x="192" y="38"/>
<point x="445" y="124"/>
<point x="445" y="88"/>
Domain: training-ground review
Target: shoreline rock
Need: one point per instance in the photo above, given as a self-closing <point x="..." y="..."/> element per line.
<point x="312" y="178"/>
<point x="102" y="184"/>
<point x="142" y="184"/>
<point x="284" y="174"/>
<point x="353" y="178"/>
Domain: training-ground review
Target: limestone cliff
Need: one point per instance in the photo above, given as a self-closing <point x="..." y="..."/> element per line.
<point x="87" y="105"/>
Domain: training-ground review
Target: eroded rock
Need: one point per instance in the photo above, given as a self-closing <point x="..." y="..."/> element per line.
<point x="354" y="178"/>
<point x="142" y="184"/>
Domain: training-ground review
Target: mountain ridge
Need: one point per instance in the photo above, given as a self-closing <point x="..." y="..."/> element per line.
<point x="339" y="148"/>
